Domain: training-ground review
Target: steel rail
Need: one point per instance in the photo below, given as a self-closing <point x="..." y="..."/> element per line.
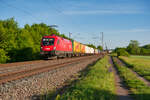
<point x="11" y="76"/>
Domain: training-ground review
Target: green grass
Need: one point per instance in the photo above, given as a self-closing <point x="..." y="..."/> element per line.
<point x="139" y="90"/>
<point x="97" y="84"/>
<point x="113" y="54"/>
<point x="141" y="57"/>
<point x="141" y="65"/>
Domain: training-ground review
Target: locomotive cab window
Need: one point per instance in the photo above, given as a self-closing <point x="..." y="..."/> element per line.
<point x="48" y="41"/>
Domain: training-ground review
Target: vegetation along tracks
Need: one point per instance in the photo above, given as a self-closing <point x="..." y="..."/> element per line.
<point x="140" y="64"/>
<point x="139" y="75"/>
<point x="10" y="76"/>
<point x="95" y="83"/>
<point x="138" y="88"/>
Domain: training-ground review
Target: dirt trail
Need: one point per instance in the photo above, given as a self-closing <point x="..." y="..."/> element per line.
<point x="140" y="77"/>
<point x="121" y="90"/>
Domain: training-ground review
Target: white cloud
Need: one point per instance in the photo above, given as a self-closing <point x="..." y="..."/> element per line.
<point x="127" y="31"/>
<point x="84" y="8"/>
<point x="92" y="12"/>
<point x="137" y="30"/>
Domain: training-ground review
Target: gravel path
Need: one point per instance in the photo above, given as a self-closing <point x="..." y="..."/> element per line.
<point x="26" y="88"/>
<point x="121" y="90"/>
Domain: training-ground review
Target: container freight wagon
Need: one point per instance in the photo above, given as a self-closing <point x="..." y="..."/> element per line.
<point x="56" y="46"/>
<point x="76" y="48"/>
<point x="99" y="51"/>
<point x="87" y="50"/>
<point x="91" y="50"/>
<point x="95" y="51"/>
<point x="82" y="49"/>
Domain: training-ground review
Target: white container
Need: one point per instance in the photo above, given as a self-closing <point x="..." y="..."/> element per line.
<point x="87" y="49"/>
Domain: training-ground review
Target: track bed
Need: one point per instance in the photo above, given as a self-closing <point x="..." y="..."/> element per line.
<point x="42" y="78"/>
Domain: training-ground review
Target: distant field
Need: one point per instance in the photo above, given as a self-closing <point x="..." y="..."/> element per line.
<point x="141" y="57"/>
<point x="140" y="64"/>
<point x="139" y="90"/>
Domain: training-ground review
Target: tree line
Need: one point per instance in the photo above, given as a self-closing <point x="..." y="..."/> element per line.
<point x="22" y="44"/>
<point x="134" y="49"/>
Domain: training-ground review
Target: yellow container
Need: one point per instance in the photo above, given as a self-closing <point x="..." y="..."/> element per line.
<point x="82" y="48"/>
<point x="76" y="47"/>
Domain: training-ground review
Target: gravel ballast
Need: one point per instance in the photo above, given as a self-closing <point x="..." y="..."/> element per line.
<point x="26" y="88"/>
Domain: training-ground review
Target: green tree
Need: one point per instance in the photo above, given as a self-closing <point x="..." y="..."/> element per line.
<point x="3" y="56"/>
<point x="100" y="47"/>
<point x="19" y="44"/>
<point x="145" y="51"/>
<point x="133" y="47"/>
<point x="146" y="46"/>
<point x="117" y="49"/>
<point x="122" y="52"/>
<point x="91" y="45"/>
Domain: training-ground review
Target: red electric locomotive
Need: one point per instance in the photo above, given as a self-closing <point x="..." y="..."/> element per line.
<point x="55" y="46"/>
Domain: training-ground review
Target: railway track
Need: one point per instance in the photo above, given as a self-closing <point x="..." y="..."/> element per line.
<point x="4" y="66"/>
<point x="20" y="65"/>
<point x="12" y="67"/>
<point x="15" y="75"/>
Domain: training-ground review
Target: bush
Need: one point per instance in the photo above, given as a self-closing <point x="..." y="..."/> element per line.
<point x="122" y="52"/>
<point x="114" y="54"/>
<point x="3" y="56"/>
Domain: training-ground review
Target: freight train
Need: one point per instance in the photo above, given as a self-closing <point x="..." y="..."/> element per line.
<point x="55" y="46"/>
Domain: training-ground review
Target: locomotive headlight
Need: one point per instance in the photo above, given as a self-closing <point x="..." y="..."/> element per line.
<point x="41" y="47"/>
<point x="54" y="48"/>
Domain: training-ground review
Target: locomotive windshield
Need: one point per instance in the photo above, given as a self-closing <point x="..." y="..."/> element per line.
<point x="48" y="41"/>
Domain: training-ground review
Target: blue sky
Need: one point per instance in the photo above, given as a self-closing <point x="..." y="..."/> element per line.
<point x="119" y="20"/>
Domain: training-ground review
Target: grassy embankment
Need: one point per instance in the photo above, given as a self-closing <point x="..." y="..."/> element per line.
<point x="140" y="64"/>
<point x="97" y="84"/>
<point x="139" y="90"/>
<point x="141" y="57"/>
